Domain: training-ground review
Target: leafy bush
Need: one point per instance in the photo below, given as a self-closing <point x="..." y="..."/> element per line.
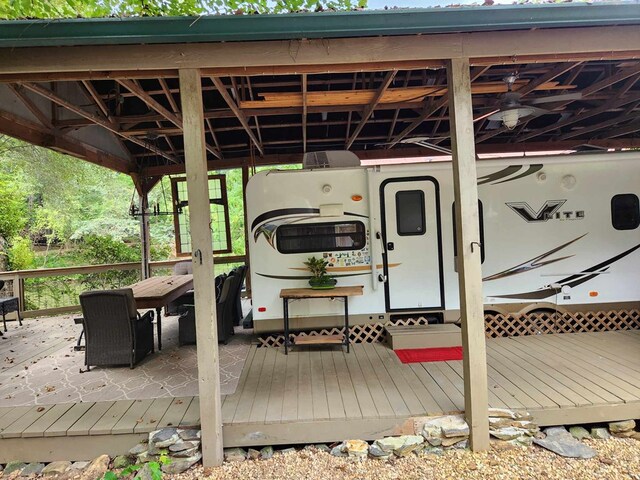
<point x="21" y="256"/>
<point x="13" y="216"/>
<point x="96" y="250"/>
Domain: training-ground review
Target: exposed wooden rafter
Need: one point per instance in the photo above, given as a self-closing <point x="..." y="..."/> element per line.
<point x="31" y="106"/>
<point x="95" y="119"/>
<point x="238" y="113"/>
<point x="371" y="107"/>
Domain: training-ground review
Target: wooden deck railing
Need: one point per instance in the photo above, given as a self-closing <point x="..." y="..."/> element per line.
<point x="52" y="291"/>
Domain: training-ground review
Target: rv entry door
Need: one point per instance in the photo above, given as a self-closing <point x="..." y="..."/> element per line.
<point x="412" y="244"/>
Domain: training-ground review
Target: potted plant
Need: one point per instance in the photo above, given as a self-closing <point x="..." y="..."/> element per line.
<point x="319" y="278"/>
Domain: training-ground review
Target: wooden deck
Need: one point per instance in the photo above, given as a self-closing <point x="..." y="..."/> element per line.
<point x="323" y="394"/>
<point x="320" y="395"/>
<point x="81" y="431"/>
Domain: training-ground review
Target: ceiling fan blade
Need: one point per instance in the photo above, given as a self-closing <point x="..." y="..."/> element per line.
<point x="566" y="97"/>
<point x="486" y="114"/>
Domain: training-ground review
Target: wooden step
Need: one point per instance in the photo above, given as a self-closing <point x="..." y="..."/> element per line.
<point x="423" y="336"/>
<point x="318" y="339"/>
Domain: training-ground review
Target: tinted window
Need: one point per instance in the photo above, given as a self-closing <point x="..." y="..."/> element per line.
<point x="625" y="211"/>
<point x="410" y="212"/>
<point x="481" y="219"/>
<point x="320" y="237"/>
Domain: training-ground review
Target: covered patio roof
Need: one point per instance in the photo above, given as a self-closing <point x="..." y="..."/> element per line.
<point x="120" y="107"/>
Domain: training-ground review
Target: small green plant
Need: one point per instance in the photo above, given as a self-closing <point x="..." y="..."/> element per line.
<point x="155" y="469"/>
<point x="319" y="277"/>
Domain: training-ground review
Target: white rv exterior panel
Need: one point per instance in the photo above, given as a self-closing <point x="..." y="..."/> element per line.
<point x="547" y="236"/>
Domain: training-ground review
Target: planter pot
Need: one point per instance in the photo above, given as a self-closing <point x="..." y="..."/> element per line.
<point x="323" y="283"/>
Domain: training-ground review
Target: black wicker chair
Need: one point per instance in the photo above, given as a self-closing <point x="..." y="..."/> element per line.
<point x="187" y="321"/>
<point x="115" y="334"/>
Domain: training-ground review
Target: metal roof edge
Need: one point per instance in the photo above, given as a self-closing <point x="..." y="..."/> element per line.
<point x="224" y="28"/>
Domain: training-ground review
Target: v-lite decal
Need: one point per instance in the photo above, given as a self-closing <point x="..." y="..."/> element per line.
<point x="574" y="280"/>
<point x="545" y="212"/>
<point x="533" y="263"/>
<point x="506" y="172"/>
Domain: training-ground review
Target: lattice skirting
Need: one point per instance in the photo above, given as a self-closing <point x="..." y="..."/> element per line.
<point x="511" y="325"/>
<point x="514" y="325"/>
<point x="368" y="333"/>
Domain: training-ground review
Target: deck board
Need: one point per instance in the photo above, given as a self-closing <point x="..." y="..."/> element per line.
<point x="322" y="394"/>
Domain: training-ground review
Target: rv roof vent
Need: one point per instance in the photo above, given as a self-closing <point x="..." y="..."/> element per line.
<point x="330" y="159"/>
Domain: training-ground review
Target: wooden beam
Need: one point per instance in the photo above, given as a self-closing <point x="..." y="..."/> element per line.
<point x="169" y="95"/>
<point x="203" y="269"/>
<point x="95" y="119"/>
<point x="392" y="128"/>
<point x="304" y="113"/>
<point x="413" y="152"/>
<point x="608" y="105"/>
<point x="36" y="134"/>
<point x="596" y="43"/>
<point x="580" y="131"/>
<point x="371" y="107"/>
<point x="255" y="117"/>
<point x="624" y="130"/>
<point x="31" y="106"/>
<point x="238" y="113"/>
<point x="151" y="102"/>
<point x="468" y="241"/>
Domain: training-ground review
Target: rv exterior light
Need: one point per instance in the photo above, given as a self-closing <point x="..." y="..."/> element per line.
<point x="326" y="189"/>
<point x="356" y="198"/>
<point x="568" y="182"/>
<point x="542" y="177"/>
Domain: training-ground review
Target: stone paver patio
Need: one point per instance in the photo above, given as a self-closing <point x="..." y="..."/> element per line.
<point x="38" y="366"/>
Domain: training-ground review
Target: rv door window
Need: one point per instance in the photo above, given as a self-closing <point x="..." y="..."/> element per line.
<point x="320" y="237"/>
<point x="625" y="211"/>
<point x="410" y="215"/>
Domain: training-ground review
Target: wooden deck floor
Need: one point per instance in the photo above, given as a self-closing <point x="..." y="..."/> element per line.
<point x="322" y="395"/>
<point x="315" y="395"/>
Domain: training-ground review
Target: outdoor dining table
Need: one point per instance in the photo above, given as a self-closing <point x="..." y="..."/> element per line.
<point x="157" y="292"/>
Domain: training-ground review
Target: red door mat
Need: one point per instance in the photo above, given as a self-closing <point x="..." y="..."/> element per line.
<point x="420" y="355"/>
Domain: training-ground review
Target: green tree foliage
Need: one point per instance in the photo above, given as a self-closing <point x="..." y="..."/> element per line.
<point x="21" y="255"/>
<point x="13" y="216"/>
<point x="20" y="9"/>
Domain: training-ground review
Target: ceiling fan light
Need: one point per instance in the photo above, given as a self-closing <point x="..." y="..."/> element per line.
<point x="510" y="118"/>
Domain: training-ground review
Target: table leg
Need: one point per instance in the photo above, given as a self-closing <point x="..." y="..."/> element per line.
<point x="346" y="322"/>
<point x="159" y="326"/>
<point x="285" y="310"/>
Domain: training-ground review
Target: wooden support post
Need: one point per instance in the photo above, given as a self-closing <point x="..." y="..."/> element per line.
<point x="145" y="239"/>
<point x="468" y="242"/>
<point x="203" y="273"/>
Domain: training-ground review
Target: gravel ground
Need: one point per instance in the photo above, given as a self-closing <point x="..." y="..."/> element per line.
<point x="617" y="459"/>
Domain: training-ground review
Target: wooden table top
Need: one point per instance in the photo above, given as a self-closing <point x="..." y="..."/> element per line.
<point x="352" y="291"/>
<point x="157" y="291"/>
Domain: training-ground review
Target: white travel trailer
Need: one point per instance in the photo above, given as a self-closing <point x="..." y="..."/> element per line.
<point x="557" y="232"/>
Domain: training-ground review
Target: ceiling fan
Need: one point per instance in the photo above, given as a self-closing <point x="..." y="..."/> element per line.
<point x="511" y="109"/>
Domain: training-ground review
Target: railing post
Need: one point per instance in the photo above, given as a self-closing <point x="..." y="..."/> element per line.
<point x="18" y="291"/>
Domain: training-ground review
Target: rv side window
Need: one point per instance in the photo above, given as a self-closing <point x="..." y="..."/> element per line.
<point x="410" y="216"/>
<point x="320" y="237"/>
<point x="625" y="211"/>
<point x="481" y="218"/>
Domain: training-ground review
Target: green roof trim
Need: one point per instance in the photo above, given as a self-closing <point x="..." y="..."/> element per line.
<point x="219" y="28"/>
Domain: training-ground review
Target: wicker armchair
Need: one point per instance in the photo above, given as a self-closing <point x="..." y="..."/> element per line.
<point x="115" y="334"/>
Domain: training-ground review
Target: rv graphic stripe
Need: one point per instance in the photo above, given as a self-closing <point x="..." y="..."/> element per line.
<point x="281" y="212"/>
<point x="573" y="280"/>
<point x="533" y="263"/>
<point x="532" y="169"/>
<point x="492" y="177"/>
